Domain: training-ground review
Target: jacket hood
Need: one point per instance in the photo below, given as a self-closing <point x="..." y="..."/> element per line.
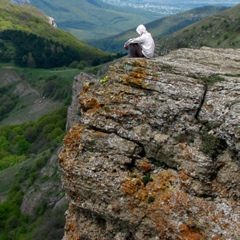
<point x="141" y="29"/>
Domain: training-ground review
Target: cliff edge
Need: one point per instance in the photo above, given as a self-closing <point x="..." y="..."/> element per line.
<point x="154" y="152"/>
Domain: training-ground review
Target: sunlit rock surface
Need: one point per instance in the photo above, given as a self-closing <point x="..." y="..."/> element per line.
<point x="154" y="151"/>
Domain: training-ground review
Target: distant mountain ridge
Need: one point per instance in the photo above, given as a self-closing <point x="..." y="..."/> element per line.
<point x="92" y="19"/>
<point x="221" y="30"/>
<point x="172" y="6"/>
<point x="157" y="28"/>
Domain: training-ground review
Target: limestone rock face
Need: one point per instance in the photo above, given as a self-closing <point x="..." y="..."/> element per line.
<point x="155" y="151"/>
<point x="74" y="109"/>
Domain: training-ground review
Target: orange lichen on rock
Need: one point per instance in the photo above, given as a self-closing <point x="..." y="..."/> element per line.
<point x="73" y="135"/>
<point x="131" y="185"/>
<point x="163" y="180"/>
<point x="72" y="139"/>
<point x="71" y="226"/>
<point x="186" y="153"/>
<point x="190" y="234"/>
<point x="141" y="62"/>
<point x="182" y="146"/>
<point x="159" y="190"/>
<point x="137" y="78"/>
<point x="142" y="194"/>
<point x="144" y="165"/>
<point x="208" y="107"/>
<point x="183" y="176"/>
<point x="71" y="146"/>
<point x="85" y="87"/>
<point x="100" y="134"/>
<point x="89" y="103"/>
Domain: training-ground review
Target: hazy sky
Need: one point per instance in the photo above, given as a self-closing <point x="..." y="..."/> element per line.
<point x="178" y="1"/>
<point x="182" y="1"/>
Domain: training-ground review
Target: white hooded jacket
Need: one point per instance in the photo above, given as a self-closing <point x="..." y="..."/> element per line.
<point x="145" y="41"/>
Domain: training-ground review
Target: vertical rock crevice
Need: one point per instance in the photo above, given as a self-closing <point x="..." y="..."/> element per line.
<point x="205" y="87"/>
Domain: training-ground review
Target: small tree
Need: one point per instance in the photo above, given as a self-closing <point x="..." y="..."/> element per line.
<point x="23" y="146"/>
<point x="31" y="61"/>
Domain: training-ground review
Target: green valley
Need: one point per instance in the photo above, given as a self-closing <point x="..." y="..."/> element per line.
<point x="93" y="19"/>
<point x="158" y="28"/>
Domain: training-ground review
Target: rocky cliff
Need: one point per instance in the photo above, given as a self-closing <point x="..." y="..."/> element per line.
<point x="155" y="150"/>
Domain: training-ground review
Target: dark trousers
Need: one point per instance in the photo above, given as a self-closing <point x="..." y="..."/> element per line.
<point x="135" y="50"/>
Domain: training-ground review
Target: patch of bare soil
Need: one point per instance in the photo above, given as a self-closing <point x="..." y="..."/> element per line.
<point x="9" y="77"/>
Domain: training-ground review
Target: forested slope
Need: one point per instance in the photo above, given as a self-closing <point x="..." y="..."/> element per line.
<point x="27" y="38"/>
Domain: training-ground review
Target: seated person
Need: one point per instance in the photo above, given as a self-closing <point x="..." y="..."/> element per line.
<point x="142" y="46"/>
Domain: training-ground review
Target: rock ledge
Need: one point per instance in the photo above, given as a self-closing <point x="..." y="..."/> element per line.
<point x="155" y="151"/>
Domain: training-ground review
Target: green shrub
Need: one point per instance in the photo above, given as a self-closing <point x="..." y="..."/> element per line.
<point x="32" y="177"/>
<point x="12" y="222"/>
<point x="48" y="128"/>
<point x="73" y="64"/>
<point x="41" y="208"/>
<point x="82" y="65"/>
<point x="213" y="78"/>
<point x="211" y="145"/>
<point x="55" y="134"/>
<point x="40" y="163"/>
<point x="151" y="199"/>
<point x="146" y="179"/>
<point x="30" y="134"/>
<point x="23" y="146"/>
